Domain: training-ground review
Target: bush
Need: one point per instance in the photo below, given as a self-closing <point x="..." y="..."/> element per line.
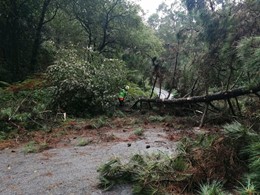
<point x="215" y="188"/>
<point x="24" y="106"/>
<point x="86" y="87"/>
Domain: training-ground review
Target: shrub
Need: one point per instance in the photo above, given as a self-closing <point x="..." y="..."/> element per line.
<point x="84" y="87"/>
<point x="139" y="131"/>
<point x="214" y="188"/>
<point x="33" y="147"/>
<point x="248" y="189"/>
<point x="83" y="142"/>
<point x="24" y="106"/>
<point x="99" y="122"/>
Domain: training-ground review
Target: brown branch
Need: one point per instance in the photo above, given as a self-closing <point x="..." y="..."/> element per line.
<point x="231" y="107"/>
<point x="153" y="87"/>
<point x="238" y="106"/>
<point x="207" y="98"/>
<point x="53" y="16"/>
<point x="257" y="94"/>
<point x="204" y="115"/>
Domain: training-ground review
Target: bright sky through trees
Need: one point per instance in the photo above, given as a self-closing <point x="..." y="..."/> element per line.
<point x="150" y="6"/>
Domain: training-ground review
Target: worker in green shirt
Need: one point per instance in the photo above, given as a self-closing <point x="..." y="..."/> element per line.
<point x="122" y="94"/>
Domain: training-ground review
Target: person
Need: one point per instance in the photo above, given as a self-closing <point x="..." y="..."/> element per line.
<point x="122" y="95"/>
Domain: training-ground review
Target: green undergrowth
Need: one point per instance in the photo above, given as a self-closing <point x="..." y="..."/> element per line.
<point x="214" y="188"/>
<point x="84" y="142"/>
<point x="24" y="106"/>
<point x="139" y="131"/>
<point x="197" y="168"/>
<point x="34" y="147"/>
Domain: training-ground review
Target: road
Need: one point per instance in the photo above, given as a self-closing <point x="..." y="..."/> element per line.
<point x="164" y="93"/>
<point x="73" y="169"/>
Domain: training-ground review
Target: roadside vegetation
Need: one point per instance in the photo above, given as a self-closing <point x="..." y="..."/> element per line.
<point x="62" y="64"/>
<point x="204" y="164"/>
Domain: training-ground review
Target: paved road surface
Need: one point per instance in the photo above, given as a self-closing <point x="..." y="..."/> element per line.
<point x="164" y="93"/>
<point x="71" y="170"/>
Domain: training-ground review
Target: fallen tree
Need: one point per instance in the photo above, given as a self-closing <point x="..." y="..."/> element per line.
<point x="207" y="99"/>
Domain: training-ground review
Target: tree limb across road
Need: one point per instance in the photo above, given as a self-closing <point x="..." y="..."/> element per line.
<point x="206" y="99"/>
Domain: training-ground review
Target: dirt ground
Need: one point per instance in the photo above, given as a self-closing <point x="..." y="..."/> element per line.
<point x="68" y="168"/>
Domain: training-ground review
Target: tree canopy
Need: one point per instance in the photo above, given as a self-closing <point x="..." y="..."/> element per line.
<point x="204" y="47"/>
<point x="33" y="32"/>
<point x="206" y="44"/>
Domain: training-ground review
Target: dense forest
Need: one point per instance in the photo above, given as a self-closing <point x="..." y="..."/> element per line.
<point x="73" y="56"/>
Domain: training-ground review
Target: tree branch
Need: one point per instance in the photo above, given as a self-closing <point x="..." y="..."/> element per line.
<point x="207" y="98"/>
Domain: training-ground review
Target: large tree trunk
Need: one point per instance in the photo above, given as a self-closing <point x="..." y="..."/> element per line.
<point x="174" y="71"/>
<point x="206" y="99"/>
<point x="15" y="62"/>
<point x="37" y="39"/>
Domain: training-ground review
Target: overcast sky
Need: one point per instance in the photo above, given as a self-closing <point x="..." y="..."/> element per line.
<point x="150" y="6"/>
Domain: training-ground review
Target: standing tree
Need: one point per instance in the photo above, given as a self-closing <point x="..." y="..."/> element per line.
<point x="106" y="22"/>
<point x="45" y="7"/>
<point x="21" y="34"/>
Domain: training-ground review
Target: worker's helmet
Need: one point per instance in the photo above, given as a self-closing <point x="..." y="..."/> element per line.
<point x="126" y="87"/>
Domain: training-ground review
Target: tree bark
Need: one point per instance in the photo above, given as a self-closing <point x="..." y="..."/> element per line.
<point x="153" y="87"/>
<point x="174" y="71"/>
<point x="206" y="99"/>
<point x="204" y="115"/>
<point x="37" y="40"/>
<point x="15" y="28"/>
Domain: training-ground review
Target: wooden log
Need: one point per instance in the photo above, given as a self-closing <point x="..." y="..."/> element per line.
<point x="206" y="99"/>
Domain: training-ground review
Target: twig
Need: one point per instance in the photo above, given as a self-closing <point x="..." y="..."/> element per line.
<point x="18" y="107"/>
<point x="231" y="107"/>
<point x="204" y="115"/>
<point x="257" y="94"/>
<point x="35" y="122"/>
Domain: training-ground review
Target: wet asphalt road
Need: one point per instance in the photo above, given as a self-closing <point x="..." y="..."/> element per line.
<point x="71" y="170"/>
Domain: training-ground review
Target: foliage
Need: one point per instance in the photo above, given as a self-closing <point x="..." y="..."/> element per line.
<point x="139" y="131"/>
<point x="25" y="106"/>
<point x="114" y="28"/>
<point x="86" y="87"/>
<point x="33" y="147"/>
<point x="248" y="52"/>
<point x="156" y="119"/>
<point x="209" y="44"/>
<point x="32" y="33"/>
<point x="246" y="142"/>
<point x="99" y="122"/>
<point x="21" y="34"/>
<point x="237" y="131"/>
<point x="206" y="158"/>
<point x="240" y="136"/>
<point x="252" y="183"/>
<point x="147" y="173"/>
<point x="30" y="147"/>
<point x="64" y="30"/>
<point x="215" y="188"/>
<point x="3" y="135"/>
<point x="83" y="142"/>
<point x="135" y="91"/>
<point x="248" y="189"/>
